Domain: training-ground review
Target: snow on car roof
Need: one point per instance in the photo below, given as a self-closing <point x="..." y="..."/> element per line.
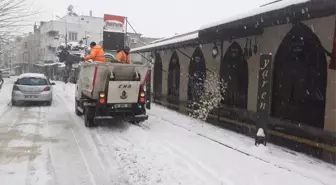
<point x="32" y="75"/>
<point x="172" y="40"/>
<point x="256" y="11"/>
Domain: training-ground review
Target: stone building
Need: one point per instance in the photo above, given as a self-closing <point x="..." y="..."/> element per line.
<point x="278" y="63"/>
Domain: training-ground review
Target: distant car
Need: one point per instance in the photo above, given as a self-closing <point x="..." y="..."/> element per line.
<point x="32" y="87"/>
<point x="5" y="74"/>
<point x="12" y="73"/>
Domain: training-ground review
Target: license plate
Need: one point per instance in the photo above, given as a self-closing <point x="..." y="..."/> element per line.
<point x="30" y="96"/>
<point x="123" y="105"/>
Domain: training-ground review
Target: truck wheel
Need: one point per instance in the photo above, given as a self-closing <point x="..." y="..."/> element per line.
<point x="89" y="117"/>
<point x="78" y="113"/>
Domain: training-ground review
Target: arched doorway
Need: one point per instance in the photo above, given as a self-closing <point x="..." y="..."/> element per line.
<point x="300" y="78"/>
<point x="234" y="72"/>
<point x="197" y="75"/>
<point x="174" y="78"/>
<point x="157" y="83"/>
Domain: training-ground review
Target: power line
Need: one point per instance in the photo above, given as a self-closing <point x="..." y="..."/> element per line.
<point x="135" y="32"/>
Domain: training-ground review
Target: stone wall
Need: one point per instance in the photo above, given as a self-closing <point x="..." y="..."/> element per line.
<point x="268" y="43"/>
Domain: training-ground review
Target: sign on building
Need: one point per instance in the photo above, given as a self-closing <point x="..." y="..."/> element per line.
<point x="114" y="23"/>
<point x="114" y="32"/>
<point x="264" y="88"/>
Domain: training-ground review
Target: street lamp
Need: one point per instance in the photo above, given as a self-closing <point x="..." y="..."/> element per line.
<point x="66" y="30"/>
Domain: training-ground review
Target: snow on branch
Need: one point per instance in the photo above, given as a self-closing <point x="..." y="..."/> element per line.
<point x="14" y="15"/>
<point x="209" y="96"/>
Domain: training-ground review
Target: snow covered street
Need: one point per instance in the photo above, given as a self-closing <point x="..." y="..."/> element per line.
<point x="42" y="145"/>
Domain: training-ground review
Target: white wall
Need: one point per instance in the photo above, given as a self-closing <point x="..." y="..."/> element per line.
<point x="82" y="25"/>
<point x="92" y="26"/>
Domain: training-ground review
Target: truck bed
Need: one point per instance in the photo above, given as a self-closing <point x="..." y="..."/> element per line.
<point x="93" y="77"/>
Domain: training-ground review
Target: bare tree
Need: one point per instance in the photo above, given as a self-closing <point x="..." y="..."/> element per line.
<point x="14" y="16"/>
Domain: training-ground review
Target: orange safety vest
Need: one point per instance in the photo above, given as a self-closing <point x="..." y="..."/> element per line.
<point x="96" y="54"/>
<point x="122" y="57"/>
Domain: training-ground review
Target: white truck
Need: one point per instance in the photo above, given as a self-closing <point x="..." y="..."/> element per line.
<point x="112" y="91"/>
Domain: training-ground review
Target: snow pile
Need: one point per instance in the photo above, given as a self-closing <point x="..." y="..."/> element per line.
<point x="296" y="163"/>
<point x="210" y="98"/>
<point x="74" y="48"/>
<point x="261" y="132"/>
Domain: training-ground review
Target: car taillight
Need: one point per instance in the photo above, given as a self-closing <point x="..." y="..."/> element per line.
<point x="46" y="89"/>
<point x="102" y="97"/>
<point x="142" y="97"/>
<point x="16" y="88"/>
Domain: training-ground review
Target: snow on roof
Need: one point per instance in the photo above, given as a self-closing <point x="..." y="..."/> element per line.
<point x="172" y="40"/>
<point x="256" y="11"/>
<point x="49" y="64"/>
<point x="158" y="40"/>
<point x="32" y="75"/>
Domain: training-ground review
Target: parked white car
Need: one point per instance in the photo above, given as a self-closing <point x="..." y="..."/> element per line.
<point x="32" y="87"/>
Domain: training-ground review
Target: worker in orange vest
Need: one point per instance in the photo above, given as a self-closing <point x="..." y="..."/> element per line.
<point x="96" y="53"/>
<point x="123" y="55"/>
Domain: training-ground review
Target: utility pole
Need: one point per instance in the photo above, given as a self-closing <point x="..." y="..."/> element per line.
<point x="125" y="37"/>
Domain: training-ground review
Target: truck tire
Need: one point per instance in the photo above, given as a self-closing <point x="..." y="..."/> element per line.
<point x="78" y="113"/>
<point x="14" y="103"/>
<point x="89" y="117"/>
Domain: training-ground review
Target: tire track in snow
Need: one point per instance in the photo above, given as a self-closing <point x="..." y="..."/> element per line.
<point x="95" y="136"/>
<point x="154" y="169"/>
<point x="123" y="149"/>
<point x="106" y="154"/>
<point x="84" y="142"/>
<point x="31" y="169"/>
<point x="127" y="163"/>
<point x="200" y="170"/>
<point x="21" y="141"/>
<point x="64" y="156"/>
<point x="196" y="166"/>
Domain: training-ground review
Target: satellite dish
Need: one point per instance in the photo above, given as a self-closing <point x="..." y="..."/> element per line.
<point x="70" y="8"/>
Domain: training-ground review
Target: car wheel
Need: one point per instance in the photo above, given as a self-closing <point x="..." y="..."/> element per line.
<point x="78" y="113"/>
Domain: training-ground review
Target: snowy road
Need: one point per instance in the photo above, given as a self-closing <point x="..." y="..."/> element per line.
<point x="44" y="145"/>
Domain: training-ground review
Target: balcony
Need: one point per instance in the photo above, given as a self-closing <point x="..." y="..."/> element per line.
<point x="54" y="43"/>
<point x="52" y="27"/>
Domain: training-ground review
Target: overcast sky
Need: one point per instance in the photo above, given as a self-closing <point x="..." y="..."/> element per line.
<point x="155" y="18"/>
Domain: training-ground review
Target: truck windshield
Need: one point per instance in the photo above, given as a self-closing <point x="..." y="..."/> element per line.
<point x="32" y="81"/>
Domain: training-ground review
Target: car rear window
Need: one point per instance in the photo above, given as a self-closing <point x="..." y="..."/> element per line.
<point x="32" y="81"/>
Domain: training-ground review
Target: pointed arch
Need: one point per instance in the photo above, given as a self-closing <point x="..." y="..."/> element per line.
<point x="234" y="72"/>
<point x="174" y="77"/>
<point x="197" y="75"/>
<point x="300" y="78"/>
<point x="157" y="83"/>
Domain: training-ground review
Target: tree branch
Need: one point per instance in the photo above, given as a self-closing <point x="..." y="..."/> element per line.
<point x="14" y="15"/>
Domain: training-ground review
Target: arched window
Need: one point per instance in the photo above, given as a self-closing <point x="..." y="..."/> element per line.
<point x="234" y="72"/>
<point x="300" y="78"/>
